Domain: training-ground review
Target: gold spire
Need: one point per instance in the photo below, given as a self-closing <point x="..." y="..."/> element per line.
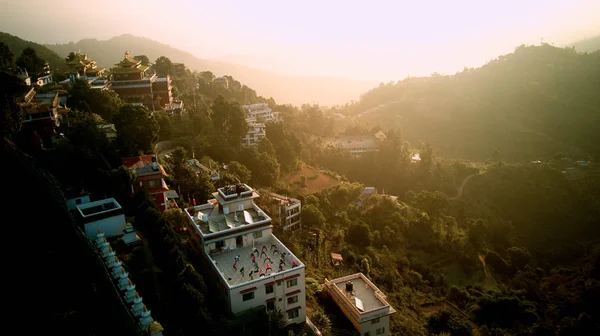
<point x="99" y="230"/>
<point x="145" y="309"/>
<point x="137" y="295"/>
<point x="130" y="283"/>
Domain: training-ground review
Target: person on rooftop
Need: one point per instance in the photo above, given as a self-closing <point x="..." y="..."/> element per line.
<point x="253" y="258"/>
<point x="269" y="267"/>
<point x="262" y="273"/>
<point x="273" y="246"/>
<point x="242" y="270"/>
<point x="267" y="258"/>
<point x="280" y="267"/>
<point x="236" y="258"/>
<point x="235" y="266"/>
<point x="263" y="253"/>
<point x="276" y="251"/>
<point x="264" y="248"/>
<point x="294" y="263"/>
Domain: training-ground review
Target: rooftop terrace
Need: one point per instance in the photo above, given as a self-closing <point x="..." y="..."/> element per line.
<point x="275" y="250"/>
<point x="365" y="301"/>
<point x="98" y="207"/>
<point x="209" y="219"/>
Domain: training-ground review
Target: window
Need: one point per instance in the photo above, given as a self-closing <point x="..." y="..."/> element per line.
<point x="269" y="288"/>
<point x="270" y="305"/>
<point x="366" y="334"/>
<point x="293" y="299"/>
<point x="78" y="201"/>
<point x="257" y="234"/>
<point x="375" y="321"/>
<point x="292" y="314"/>
<point x="292" y="283"/>
<point x="248" y="296"/>
<point x="151" y="184"/>
<point x="220" y="243"/>
<point x="380" y="331"/>
<point x="278" y="283"/>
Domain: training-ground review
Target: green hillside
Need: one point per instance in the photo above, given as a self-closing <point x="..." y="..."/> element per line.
<point x="529" y="104"/>
<point x="17" y="45"/>
<point x="588" y="45"/>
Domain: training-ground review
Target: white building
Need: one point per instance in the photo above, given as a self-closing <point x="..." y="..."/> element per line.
<point x="260" y="111"/>
<point x="76" y="197"/>
<point x="199" y="168"/>
<point x="244" y="256"/>
<point x="105" y="215"/>
<point x="289" y="211"/>
<point x="362" y="303"/>
<point x="256" y="132"/>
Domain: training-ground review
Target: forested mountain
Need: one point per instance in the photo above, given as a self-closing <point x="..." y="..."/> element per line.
<point x="588" y="45"/>
<point x="532" y="103"/>
<point x="287" y="89"/>
<point x="17" y="45"/>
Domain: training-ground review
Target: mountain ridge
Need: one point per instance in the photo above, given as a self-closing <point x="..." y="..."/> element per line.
<point x="283" y="88"/>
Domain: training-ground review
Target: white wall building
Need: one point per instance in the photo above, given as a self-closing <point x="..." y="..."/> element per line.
<point x="289" y="212"/>
<point x="362" y="303"/>
<point x="256" y="132"/>
<point x="244" y="256"/>
<point x="105" y="215"/>
<point x="260" y="111"/>
<point x="75" y="198"/>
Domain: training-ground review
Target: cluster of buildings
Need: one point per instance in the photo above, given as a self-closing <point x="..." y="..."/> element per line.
<point x="104" y="219"/>
<point x="357" y="144"/>
<point x="129" y="78"/>
<point x="41" y="79"/>
<point x="256" y="115"/>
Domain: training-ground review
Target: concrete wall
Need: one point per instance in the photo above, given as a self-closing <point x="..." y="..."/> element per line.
<point x="371" y="328"/>
<point x="111" y="227"/>
<point x="280" y="291"/>
<point x="72" y="202"/>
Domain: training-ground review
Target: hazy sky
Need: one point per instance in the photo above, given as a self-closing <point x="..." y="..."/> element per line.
<point x="379" y="40"/>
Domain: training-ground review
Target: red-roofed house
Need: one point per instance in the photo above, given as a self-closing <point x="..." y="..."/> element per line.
<point x="150" y="176"/>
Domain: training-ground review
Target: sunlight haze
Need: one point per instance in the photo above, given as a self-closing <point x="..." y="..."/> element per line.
<point x="376" y="40"/>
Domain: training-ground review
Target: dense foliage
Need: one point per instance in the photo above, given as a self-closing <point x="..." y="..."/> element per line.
<point x="527" y="105"/>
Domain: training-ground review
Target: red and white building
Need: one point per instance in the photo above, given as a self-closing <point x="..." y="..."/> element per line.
<point x="150" y="176"/>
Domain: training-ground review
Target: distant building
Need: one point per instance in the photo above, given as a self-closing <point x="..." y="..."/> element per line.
<point x="105" y="215"/>
<point x="150" y="176"/>
<point x="199" y="168"/>
<point x="24" y="75"/>
<point x="261" y="111"/>
<point x="42" y="113"/>
<point x="132" y="81"/>
<point x="222" y="81"/>
<point x="109" y="130"/>
<point x="357" y="144"/>
<point x="256" y="132"/>
<point x="362" y="303"/>
<point x="289" y="211"/>
<point x="250" y="267"/>
<point x="84" y="66"/>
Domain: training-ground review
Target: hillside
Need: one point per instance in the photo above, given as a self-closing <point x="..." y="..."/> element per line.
<point x="17" y="45"/>
<point x="529" y="104"/>
<point x="588" y="45"/>
<point x="285" y="89"/>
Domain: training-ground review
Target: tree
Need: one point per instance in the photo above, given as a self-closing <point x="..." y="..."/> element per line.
<point x="165" y="126"/>
<point x="84" y="132"/>
<point x="518" y="257"/>
<point x="207" y="76"/>
<point x="312" y="217"/>
<point x="7" y="58"/>
<point x="229" y="120"/>
<point x="240" y="171"/>
<point x="137" y="130"/>
<point x="163" y="66"/>
<point x="29" y="60"/>
<point x="11" y="89"/>
<point x="143" y="58"/>
<point x="359" y="234"/>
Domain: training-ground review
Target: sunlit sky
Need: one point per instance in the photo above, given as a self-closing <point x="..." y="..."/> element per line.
<point x="375" y="40"/>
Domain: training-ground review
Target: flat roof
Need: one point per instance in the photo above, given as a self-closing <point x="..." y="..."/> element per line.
<point x="98" y="207"/>
<point x="219" y="222"/>
<point x="224" y="261"/>
<point x="364" y="290"/>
